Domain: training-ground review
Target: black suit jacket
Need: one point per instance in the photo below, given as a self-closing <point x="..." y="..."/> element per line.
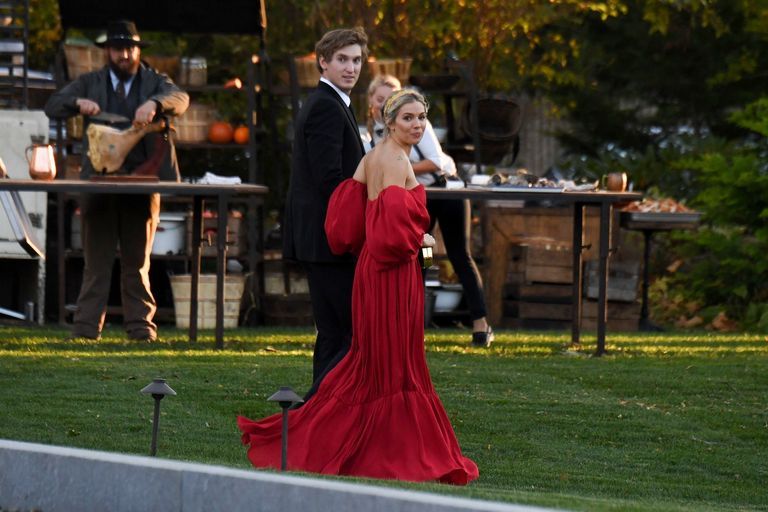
<point x="326" y="150"/>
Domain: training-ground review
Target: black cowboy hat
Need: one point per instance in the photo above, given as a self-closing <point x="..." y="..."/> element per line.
<point x="121" y="34"/>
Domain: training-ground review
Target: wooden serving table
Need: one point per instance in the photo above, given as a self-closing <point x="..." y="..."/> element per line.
<point x="605" y="201"/>
<point x="197" y="192"/>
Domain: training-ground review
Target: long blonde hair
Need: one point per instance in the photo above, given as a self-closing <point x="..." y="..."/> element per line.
<point x="378" y="81"/>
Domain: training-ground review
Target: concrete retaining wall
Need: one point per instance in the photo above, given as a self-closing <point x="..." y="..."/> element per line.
<point x="57" y="479"/>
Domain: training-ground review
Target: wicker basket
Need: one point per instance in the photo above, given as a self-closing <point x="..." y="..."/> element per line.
<point x="181" y="286"/>
<point x="75" y="127"/>
<point x="307" y="74"/>
<point x="168" y="65"/>
<point x="83" y="59"/>
<point x="399" y="68"/>
<point x="193" y="125"/>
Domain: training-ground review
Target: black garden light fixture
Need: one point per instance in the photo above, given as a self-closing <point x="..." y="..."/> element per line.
<point x="158" y="389"/>
<point x="285" y="397"/>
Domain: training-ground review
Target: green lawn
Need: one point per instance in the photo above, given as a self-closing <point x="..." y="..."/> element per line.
<point x="670" y="421"/>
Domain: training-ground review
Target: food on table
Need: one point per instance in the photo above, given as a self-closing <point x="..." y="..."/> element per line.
<point x="664" y="205"/>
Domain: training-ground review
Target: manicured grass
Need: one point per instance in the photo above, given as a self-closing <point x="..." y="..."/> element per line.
<point x="669" y="421"/>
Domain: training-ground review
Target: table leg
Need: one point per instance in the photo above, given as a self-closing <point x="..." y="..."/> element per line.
<point x="602" y="295"/>
<point x="197" y="229"/>
<point x="61" y="265"/>
<point x="645" y="324"/>
<point x="221" y="264"/>
<point x="578" y="275"/>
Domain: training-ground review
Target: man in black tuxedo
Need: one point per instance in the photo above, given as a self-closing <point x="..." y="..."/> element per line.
<point x="327" y="149"/>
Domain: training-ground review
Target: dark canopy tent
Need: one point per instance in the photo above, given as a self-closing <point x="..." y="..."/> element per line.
<point x="199" y="16"/>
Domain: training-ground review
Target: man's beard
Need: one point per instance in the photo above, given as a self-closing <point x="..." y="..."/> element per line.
<point x="121" y="73"/>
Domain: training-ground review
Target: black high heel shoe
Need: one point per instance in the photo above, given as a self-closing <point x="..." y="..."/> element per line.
<point x="483" y="338"/>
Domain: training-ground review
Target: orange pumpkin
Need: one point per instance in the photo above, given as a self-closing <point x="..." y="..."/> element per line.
<point x="241" y="134"/>
<point x="220" y="132"/>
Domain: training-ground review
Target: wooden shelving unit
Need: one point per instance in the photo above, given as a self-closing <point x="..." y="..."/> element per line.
<point x="76" y="14"/>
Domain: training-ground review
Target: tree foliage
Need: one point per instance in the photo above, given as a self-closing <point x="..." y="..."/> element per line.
<point x="660" y="68"/>
<point x="45" y="32"/>
<point x="509" y="41"/>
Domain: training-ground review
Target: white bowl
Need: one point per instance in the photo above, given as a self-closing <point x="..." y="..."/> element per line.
<point x="446" y="300"/>
<point x="171" y="231"/>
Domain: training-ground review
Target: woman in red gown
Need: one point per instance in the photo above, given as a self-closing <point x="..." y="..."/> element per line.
<point x="376" y="414"/>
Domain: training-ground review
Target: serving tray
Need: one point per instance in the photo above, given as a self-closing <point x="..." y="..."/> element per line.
<point x="660" y="220"/>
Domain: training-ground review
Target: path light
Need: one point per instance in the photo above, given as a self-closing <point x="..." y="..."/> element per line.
<point x="158" y="389"/>
<point x="285" y="397"/>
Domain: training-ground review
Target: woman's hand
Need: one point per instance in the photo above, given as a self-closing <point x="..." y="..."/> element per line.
<point x="429" y="240"/>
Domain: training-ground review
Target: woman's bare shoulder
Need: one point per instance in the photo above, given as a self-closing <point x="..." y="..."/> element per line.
<point x="396" y="168"/>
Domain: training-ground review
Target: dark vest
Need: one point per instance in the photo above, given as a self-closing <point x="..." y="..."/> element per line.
<point x="127" y="108"/>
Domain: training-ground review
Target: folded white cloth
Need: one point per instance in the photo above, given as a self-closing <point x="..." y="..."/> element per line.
<point x="214" y="179"/>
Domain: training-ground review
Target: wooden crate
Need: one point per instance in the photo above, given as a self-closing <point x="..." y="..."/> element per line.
<point x="545" y="235"/>
<point x="399" y="68"/>
<point x="540" y="292"/>
<point x="289" y="310"/>
<point x="548" y="265"/>
<point x="621" y="316"/>
<point x="544" y="311"/>
<point x="166" y="64"/>
<point x="307" y="74"/>
<point x="82" y="58"/>
<point x="623" y="280"/>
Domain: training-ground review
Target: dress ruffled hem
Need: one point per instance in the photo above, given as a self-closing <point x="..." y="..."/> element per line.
<point x="402" y="436"/>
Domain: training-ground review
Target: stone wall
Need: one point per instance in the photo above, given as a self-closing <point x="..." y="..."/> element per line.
<point x="57" y="479"/>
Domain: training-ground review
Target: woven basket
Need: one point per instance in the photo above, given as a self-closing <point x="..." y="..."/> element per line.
<point x="399" y="68"/>
<point x="168" y="65"/>
<point x="307" y="74"/>
<point x="193" y="125"/>
<point x="82" y="59"/>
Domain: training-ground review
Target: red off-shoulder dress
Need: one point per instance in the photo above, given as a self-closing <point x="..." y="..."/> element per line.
<point x="376" y="414"/>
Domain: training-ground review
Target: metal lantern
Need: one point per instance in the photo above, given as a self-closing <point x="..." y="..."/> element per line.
<point x="285" y="397"/>
<point x="158" y="389"/>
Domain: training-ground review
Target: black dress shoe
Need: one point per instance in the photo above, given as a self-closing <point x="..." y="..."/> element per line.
<point x="483" y="338"/>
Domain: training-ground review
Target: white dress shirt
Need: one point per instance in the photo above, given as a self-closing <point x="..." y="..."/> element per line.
<point x="344" y="96"/>
<point x="127" y="84"/>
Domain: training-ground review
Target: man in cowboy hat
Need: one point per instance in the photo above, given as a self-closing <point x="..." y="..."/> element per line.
<point x="129" y="89"/>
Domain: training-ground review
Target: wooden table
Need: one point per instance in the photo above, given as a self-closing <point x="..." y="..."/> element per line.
<point x="198" y="192"/>
<point x="605" y="201"/>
